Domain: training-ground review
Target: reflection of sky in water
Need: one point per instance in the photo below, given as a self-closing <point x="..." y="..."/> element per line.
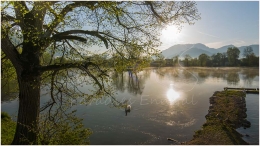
<point x="175" y="103"/>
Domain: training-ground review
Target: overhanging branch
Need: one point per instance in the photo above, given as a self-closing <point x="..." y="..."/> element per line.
<point x="92" y="33"/>
<point x="56" y="67"/>
<point x="69" y="37"/>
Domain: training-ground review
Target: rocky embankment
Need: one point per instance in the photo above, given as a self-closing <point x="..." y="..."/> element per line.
<point x="227" y="112"/>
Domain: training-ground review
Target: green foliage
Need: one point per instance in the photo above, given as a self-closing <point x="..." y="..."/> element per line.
<point x="250" y="58"/>
<point x="187" y="60"/>
<point x="7" y="129"/>
<point x="130" y="30"/>
<point x="63" y="130"/>
<point x="5" y="116"/>
<point x="9" y="84"/>
<point x="203" y="58"/>
<point x="233" y="54"/>
<point x="229" y="58"/>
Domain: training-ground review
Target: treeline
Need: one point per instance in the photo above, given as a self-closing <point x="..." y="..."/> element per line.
<point x="229" y="58"/>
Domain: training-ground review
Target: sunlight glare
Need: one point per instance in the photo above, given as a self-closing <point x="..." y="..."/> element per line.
<point x="172" y="95"/>
<point x="171" y="33"/>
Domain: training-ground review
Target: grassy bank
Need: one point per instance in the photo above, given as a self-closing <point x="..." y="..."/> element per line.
<point x="65" y="131"/>
<point x="226" y="113"/>
<point x="7" y="129"/>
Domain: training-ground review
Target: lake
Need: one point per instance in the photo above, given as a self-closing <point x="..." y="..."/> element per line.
<point x="168" y="102"/>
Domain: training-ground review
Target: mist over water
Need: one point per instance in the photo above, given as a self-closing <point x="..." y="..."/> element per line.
<point x="169" y="102"/>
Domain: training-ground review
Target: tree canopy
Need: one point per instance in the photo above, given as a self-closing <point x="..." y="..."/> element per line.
<point x="54" y="38"/>
<point x="233" y="54"/>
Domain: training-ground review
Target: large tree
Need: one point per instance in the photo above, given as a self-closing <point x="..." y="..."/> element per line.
<point x="187" y="59"/>
<point x="216" y="59"/>
<point x="68" y="29"/>
<point x="249" y="56"/>
<point x="203" y="58"/>
<point x="233" y="54"/>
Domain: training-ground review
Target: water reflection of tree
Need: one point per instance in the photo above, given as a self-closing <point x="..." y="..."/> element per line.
<point x="219" y="74"/>
<point x="171" y="73"/>
<point x="177" y="74"/>
<point x="233" y="78"/>
<point x="204" y="74"/>
<point x="160" y="71"/>
<point x="249" y="75"/>
<point x="133" y="82"/>
<point x="133" y="85"/>
<point x="118" y="81"/>
<point x="187" y="75"/>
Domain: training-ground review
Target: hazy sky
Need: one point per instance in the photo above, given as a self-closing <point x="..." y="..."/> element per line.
<point x="222" y="23"/>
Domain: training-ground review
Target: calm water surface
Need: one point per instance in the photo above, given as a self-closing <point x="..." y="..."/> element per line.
<point x="166" y="103"/>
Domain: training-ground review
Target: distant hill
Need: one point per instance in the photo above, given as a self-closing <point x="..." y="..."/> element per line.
<point x="194" y="50"/>
<point x="224" y="48"/>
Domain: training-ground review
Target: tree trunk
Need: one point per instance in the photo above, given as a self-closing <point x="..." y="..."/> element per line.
<point x="29" y="78"/>
<point x="29" y="107"/>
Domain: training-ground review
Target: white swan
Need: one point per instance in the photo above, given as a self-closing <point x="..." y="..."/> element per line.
<point x="127" y="109"/>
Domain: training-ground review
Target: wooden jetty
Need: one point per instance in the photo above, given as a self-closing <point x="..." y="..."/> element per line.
<point x="247" y="90"/>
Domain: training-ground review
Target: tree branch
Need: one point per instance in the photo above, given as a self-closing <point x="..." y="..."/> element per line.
<point x="154" y="12"/>
<point x="11" y="53"/>
<point x="74" y="48"/>
<point x="63" y="13"/>
<point x="7" y="17"/>
<point x="65" y="66"/>
<point x="92" y="33"/>
<point x="39" y="10"/>
<point x="18" y="7"/>
<point x="68" y="37"/>
<point x="59" y="67"/>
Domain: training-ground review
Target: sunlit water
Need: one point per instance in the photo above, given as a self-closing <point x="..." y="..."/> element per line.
<point x="166" y="103"/>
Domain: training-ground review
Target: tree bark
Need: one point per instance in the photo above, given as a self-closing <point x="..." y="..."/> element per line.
<point x="29" y="79"/>
<point x="28" y="113"/>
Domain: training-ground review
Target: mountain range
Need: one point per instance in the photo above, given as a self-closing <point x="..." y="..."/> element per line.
<point x="194" y="50"/>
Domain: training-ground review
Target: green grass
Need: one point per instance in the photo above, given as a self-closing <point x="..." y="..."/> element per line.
<point x="69" y="131"/>
<point x="7" y="129"/>
<point x="216" y="134"/>
<point x="230" y="93"/>
<point x="219" y="129"/>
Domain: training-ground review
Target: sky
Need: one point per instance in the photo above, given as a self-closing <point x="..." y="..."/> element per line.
<point x="222" y="23"/>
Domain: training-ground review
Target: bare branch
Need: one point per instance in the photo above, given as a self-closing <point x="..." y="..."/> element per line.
<point x="74" y="48"/>
<point x="93" y="77"/>
<point x="69" y="37"/>
<point x="92" y="33"/>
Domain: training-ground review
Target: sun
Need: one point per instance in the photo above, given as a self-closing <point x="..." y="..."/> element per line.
<point x="171" y="34"/>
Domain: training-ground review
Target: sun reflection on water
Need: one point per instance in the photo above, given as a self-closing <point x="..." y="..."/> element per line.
<point x="172" y="95"/>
